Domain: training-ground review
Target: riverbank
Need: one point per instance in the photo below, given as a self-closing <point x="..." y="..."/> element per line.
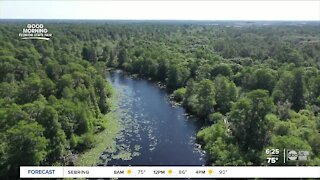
<point x="105" y="139"/>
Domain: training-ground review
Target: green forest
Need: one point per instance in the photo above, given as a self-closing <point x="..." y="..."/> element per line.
<point x="252" y="86"/>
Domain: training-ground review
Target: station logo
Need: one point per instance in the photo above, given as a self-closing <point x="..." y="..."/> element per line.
<point x="35" y="31"/>
<point x="294" y="155"/>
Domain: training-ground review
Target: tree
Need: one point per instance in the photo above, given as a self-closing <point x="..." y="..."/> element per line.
<point x="31" y="89"/>
<point x="283" y="110"/>
<point x="290" y="87"/>
<point x="215" y="117"/>
<point x="162" y="69"/>
<point x="249" y="124"/>
<point x="66" y="81"/>
<point x="206" y="98"/>
<point x="284" y="88"/>
<point x="123" y="57"/>
<point x="221" y="69"/>
<point x="315" y="90"/>
<point x="178" y="95"/>
<point x="219" y="145"/>
<point x="203" y="72"/>
<point x="298" y="90"/>
<point x="107" y="52"/>
<point x="89" y="53"/>
<point x="315" y="143"/>
<point x="11" y="116"/>
<point x="244" y="78"/>
<point x="226" y="93"/>
<point x="177" y="76"/>
<point x="264" y="79"/>
<point x="26" y="145"/>
<point x="49" y="120"/>
<point x="190" y="99"/>
<point x="48" y="87"/>
<point x="53" y="70"/>
<point x="102" y="93"/>
<point x="289" y="54"/>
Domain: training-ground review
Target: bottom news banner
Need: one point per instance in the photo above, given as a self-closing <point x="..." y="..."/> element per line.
<point x="168" y="172"/>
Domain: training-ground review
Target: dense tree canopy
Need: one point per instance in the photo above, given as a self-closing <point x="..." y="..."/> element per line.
<point x="52" y="100"/>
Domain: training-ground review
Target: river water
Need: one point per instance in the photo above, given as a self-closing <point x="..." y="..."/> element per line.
<point x="153" y="131"/>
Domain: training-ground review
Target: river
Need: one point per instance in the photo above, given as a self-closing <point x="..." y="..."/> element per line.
<point x="153" y="131"/>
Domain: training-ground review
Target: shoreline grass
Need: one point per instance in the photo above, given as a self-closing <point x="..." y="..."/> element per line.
<point x="104" y="140"/>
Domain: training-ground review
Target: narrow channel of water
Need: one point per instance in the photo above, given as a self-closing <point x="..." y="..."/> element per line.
<point x="153" y="131"/>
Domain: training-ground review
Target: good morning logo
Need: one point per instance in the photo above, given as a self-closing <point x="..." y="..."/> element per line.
<point x="35" y="31"/>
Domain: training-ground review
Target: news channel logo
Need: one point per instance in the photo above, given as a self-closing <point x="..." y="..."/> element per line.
<point x="297" y="155"/>
<point x="35" y="31"/>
